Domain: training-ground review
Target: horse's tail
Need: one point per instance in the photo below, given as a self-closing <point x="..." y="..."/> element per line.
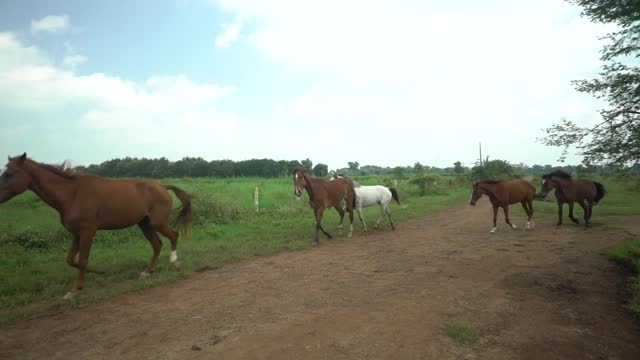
<point x="600" y="192"/>
<point x="394" y="194"/>
<point x="185" y="212"/>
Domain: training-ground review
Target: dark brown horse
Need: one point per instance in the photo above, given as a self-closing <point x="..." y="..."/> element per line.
<point x="88" y="203"/>
<point x="325" y="194"/>
<point x="585" y="192"/>
<point x="503" y="193"/>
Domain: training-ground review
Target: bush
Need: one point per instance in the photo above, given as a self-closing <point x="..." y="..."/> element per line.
<point x="628" y="256"/>
<point x="208" y="210"/>
<point x="35" y="240"/>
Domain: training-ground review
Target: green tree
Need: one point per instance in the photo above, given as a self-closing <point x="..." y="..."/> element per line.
<point x="320" y="170"/>
<point x="418" y="168"/>
<point x="616" y="138"/>
<point x="307" y="164"/>
<point x="458" y="167"/>
<point x="398" y="171"/>
<point x="353" y="165"/>
<point x="494" y="169"/>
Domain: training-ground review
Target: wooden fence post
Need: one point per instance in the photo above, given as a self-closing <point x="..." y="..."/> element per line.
<point x="256" y="197"/>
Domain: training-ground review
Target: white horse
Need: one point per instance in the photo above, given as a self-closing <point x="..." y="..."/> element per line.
<point x="374" y="195"/>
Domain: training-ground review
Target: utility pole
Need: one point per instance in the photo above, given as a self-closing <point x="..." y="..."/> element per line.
<point x="480" y="147"/>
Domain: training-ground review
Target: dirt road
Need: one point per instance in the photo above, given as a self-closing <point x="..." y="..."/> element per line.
<point x="440" y="287"/>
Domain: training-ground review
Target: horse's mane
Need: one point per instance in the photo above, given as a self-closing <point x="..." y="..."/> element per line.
<point x="558" y="173"/>
<point x="490" y="181"/>
<point x="64" y="169"/>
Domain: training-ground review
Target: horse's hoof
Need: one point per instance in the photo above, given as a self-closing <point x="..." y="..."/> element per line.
<point x="69" y="296"/>
<point x="349" y="235"/>
<point x="492" y="231"/>
<point x="144" y="275"/>
<point x="514" y="226"/>
<point x="177" y="264"/>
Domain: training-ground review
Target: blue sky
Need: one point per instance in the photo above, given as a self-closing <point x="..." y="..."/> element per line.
<point x="378" y="82"/>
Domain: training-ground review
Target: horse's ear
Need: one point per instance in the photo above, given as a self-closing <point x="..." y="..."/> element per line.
<point x="23" y="157"/>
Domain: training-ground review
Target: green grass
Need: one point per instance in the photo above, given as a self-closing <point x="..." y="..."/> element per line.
<point x="462" y="334"/>
<point x="34" y="275"/>
<point x="628" y="256"/>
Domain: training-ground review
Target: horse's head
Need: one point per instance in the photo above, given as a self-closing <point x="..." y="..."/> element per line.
<point x="545" y="187"/>
<point x="476" y="194"/>
<point x="299" y="182"/>
<point x="13" y="179"/>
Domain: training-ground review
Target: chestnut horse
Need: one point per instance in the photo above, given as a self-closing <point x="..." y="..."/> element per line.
<point x="585" y="192"/>
<point x="503" y="193"/>
<point x="88" y="203"/>
<point x="324" y="194"/>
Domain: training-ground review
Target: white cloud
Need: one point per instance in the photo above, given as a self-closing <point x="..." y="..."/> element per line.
<point x="28" y="81"/>
<point x="441" y="74"/>
<point x="73" y="61"/>
<point x="51" y="24"/>
<point x="230" y="33"/>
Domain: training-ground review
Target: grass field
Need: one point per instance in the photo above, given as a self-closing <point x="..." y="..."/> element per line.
<point x="34" y="276"/>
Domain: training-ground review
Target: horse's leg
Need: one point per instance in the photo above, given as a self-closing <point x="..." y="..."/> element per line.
<point x="506" y="216"/>
<point x="359" y="210"/>
<point x="85" y="240"/>
<point x="382" y="214"/>
<point x="590" y="205"/>
<point x="559" y="213"/>
<point x="73" y="253"/>
<point x="585" y="208"/>
<point x="575" y="221"/>
<point x="530" y="204"/>
<point x="526" y="210"/>
<point x="319" y="213"/>
<point x="150" y="233"/>
<point x="172" y="235"/>
<point x="350" y="204"/>
<point x="341" y="224"/>
<point x="388" y="211"/>
<point x="495" y="218"/>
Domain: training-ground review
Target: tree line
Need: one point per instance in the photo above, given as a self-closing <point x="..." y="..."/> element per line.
<point x="130" y="167"/>
<point x="198" y="167"/>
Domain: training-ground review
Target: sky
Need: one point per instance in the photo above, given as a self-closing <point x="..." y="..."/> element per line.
<point x="378" y="82"/>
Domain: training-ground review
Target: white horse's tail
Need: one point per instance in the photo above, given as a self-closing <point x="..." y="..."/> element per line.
<point x="394" y="194"/>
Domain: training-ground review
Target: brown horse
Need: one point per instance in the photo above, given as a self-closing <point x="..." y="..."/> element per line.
<point x="503" y="193"/>
<point x="88" y="203"/>
<point x="585" y="192"/>
<point x="325" y="194"/>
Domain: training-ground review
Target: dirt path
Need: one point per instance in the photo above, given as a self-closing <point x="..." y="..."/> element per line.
<point x="440" y="287"/>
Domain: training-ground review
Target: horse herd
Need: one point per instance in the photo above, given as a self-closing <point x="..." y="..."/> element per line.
<point x="88" y="203"/>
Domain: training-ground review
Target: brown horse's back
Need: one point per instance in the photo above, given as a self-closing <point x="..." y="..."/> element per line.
<point x="584" y="189"/>
<point x="517" y="190"/>
<point x="117" y="204"/>
<point x="335" y="191"/>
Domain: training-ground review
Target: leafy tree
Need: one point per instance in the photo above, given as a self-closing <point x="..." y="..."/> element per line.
<point x="353" y="165"/>
<point x="494" y="169"/>
<point x="320" y="170"/>
<point x="458" y="167"/>
<point x="418" y="168"/>
<point x="617" y="138"/>
<point x="307" y="164"/>
<point x="398" y="171"/>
